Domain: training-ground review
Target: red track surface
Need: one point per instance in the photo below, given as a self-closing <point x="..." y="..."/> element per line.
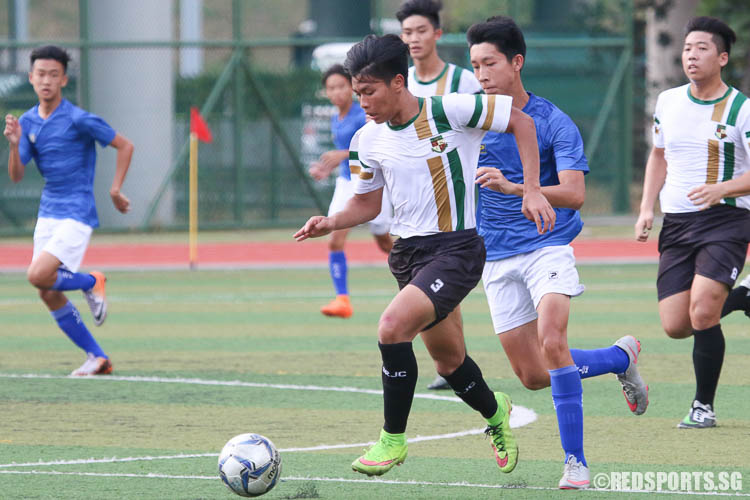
<point x="15" y="257"/>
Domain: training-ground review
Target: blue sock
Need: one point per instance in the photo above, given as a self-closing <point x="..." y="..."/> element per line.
<point x="567" y="396"/>
<point x="69" y="320"/>
<point x="593" y="362"/>
<point x="67" y="280"/>
<point x="337" y="265"/>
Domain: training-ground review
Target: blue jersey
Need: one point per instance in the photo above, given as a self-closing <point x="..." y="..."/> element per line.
<point x="343" y="130"/>
<point x="63" y="149"/>
<point x="505" y="230"/>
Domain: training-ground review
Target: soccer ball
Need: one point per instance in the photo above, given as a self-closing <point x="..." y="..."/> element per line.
<point x="250" y="465"/>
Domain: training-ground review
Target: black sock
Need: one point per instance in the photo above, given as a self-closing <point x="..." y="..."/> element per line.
<point x="708" y="356"/>
<point x="468" y="384"/>
<point x="399" y="380"/>
<point x="738" y="300"/>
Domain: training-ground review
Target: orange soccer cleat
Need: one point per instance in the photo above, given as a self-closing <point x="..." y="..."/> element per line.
<point x="340" y="307"/>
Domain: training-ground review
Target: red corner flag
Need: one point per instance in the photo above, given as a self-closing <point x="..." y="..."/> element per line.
<point x="198" y="126"/>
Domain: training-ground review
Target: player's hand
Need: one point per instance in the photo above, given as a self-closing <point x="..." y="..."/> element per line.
<point x="315" y="227"/>
<point x="493" y="178"/>
<point x="707" y="195"/>
<point x="120" y="201"/>
<point x="317" y="171"/>
<point x="330" y="159"/>
<point x="643" y="225"/>
<point x="12" y="130"/>
<point x="536" y="207"/>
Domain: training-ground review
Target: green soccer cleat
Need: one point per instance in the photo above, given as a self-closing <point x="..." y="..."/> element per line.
<point x="390" y="450"/>
<point x="503" y="442"/>
<point x="700" y="416"/>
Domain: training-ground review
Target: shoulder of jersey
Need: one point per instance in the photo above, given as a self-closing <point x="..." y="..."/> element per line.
<point x="675" y="91"/>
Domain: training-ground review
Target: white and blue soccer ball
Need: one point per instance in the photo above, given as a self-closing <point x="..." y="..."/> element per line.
<point x="250" y="465"/>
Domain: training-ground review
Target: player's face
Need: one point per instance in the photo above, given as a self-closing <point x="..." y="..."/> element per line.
<point x="376" y="98"/>
<point x="495" y="73"/>
<point x="418" y="33"/>
<point x="339" y="91"/>
<point x="701" y="59"/>
<point x="48" y="77"/>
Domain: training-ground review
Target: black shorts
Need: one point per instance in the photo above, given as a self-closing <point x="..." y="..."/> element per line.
<point x="711" y="243"/>
<point x="445" y="266"/>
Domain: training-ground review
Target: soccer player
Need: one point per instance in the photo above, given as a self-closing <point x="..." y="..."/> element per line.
<point x="61" y="137"/>
<point x="700" y="168"/>
<point x="424" y="152"/>
<point x="529" y="277"/>
<point x="430" y="75"/>
<point x="350" y="118"/>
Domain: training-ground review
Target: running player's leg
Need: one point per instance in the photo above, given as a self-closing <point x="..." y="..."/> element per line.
<point x="337" y="265"/>
<point x="408" y="313"/>
<point x="59" y="247"/>
<point x="445" y="343"/>
<point x="340" y="306"/>
<point x="707" y="297"/>
<point x="565" y="381"/>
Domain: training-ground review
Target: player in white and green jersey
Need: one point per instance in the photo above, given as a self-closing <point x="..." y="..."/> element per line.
<point x="700" y="167"/>
<point x="445" y="135"/>
<point x="430" y="75"/>
<point x="424" y="152"/>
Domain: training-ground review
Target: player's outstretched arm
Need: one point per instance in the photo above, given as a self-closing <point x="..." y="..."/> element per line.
<point x="656" y="174"/>
<point x="124" y="154"/>
<point x="12" y="132"/>
<point x="359" y="209"/>
<point x="535" y="206"/>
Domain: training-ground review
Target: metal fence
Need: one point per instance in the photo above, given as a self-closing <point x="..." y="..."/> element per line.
<point x="269" y="120"/>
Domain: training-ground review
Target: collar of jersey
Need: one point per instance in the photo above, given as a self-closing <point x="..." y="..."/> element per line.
<point x="445" y="68"/>
<point x="698" y="101"/>
<point x="402" y="127"/>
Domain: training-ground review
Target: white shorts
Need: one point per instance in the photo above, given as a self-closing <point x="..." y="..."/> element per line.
<point x="515" y="285"/>
<point x="66" y="239"/>
<point x="345" y="191"/>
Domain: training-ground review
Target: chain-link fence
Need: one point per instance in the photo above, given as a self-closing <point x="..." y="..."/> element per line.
<point x="261" y="97"/>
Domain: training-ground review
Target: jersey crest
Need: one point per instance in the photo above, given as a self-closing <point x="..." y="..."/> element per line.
<point x="438" y="144"/>
<point x="721" y="131"/>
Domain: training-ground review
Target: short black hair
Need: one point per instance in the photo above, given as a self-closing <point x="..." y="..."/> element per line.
<point x="427" y="8"/>
<point x="378" y="57"/>
<point x="500" y="31"/>
<point x="336" y="69"/>
<point x="51" y="52"/>
<point x="723" y="35"/>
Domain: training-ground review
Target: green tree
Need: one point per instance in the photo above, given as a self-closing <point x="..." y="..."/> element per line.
<point x="737" y="15"/>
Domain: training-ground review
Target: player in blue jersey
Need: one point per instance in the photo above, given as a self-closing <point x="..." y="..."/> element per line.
<point x="344" y="124"/>
<point x="60" y="138"/>
<point x="530" y="277"/>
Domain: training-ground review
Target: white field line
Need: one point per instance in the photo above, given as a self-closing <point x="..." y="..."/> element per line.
<point x="321" y="447"/>
<point x="375" y="480"/>
<point x="521" y="416"/>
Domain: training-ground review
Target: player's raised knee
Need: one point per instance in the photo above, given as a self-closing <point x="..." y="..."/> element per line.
<point x="533" y="380"/>
<point x="39" y="278"/>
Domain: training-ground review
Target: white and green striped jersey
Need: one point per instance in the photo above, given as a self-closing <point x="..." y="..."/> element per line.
<point x="704" y="142"/>
<point x="428" y="164"/>
<point x="452" y="80"/>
